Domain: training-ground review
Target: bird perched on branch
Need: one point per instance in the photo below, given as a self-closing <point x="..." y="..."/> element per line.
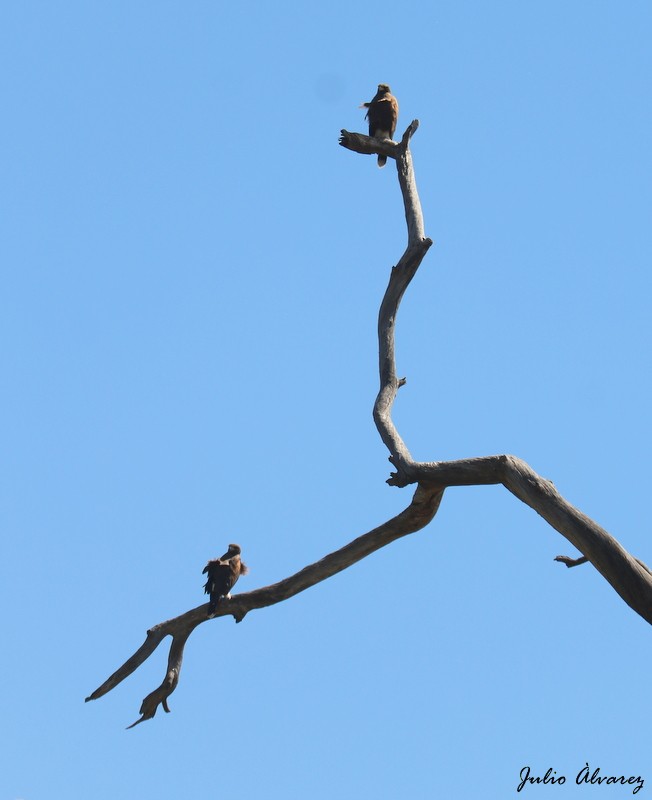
<point x="382" y="113"/>
<point x="222" y="575"/>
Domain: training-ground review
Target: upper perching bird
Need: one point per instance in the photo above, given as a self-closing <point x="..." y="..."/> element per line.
<point x="382" y="113"/>
<point x="222" y="575"/>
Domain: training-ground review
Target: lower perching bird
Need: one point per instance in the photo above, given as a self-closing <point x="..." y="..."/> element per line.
<point x="222" y="575"/>
<point x="382" y="113"/>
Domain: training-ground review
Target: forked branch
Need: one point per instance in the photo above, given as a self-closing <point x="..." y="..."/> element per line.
<point x="417" y="515"/>
<point x="629" y="577"/>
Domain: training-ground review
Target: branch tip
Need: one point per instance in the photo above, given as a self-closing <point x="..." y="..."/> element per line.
<point x="570" y="562"/>
<point x="409" y="133"/>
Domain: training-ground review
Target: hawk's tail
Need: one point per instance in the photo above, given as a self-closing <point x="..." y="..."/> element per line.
<point x="382" y="160"/>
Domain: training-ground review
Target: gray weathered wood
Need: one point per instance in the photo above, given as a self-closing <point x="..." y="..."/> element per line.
<point x="630" y="577"/>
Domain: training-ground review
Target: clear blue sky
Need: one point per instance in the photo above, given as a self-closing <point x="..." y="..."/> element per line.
<point x="192" y="269"/>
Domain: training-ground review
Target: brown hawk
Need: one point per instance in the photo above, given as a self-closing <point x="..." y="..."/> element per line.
<point x="382" y="113"/>
<point x="222" y="575"/>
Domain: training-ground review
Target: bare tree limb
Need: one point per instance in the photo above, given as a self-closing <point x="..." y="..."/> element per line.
<point x="401" y="276"/>
<point x="630" y="577"/>
<point x="417" y="515"/>
<point x="367" y="145"/>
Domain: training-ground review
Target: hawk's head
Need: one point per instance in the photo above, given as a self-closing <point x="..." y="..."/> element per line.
<point x="383" y="87"/>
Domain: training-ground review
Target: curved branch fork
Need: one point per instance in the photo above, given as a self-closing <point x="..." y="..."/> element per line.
<point x="630" y="577"/>
<point x="417" y="515"/>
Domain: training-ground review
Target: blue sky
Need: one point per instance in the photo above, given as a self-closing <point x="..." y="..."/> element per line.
<point x="192" y="269"/>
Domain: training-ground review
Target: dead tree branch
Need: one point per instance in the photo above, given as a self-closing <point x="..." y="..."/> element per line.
<point x="630" y="577"/>
<point x="417" y="515"/>
<point x="367" y="145"/>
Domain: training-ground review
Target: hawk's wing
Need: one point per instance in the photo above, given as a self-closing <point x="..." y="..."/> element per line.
<point x="383" y="116"/>
<point x="222" y="575"/>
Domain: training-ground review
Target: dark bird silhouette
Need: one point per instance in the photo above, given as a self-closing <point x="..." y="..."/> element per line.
<point x="382" y="113"/>
<point x="222" y="575"/>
